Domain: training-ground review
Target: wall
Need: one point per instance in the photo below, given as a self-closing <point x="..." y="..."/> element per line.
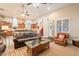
<point x="71" y="11"/>
<point x="45" y="22"/>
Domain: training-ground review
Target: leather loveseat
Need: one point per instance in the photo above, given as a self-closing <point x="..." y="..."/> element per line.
<point x="2" y="46"/>
<point x="21" y="37"/>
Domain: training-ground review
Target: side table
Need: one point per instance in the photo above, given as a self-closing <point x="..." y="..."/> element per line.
<point x="75" y="43"/>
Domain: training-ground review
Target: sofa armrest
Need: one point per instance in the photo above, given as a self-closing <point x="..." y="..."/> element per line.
<point x="2" y="48"/>
<point x="15" y="40"/>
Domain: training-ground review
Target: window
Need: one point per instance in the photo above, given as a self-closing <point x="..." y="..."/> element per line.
<point x="66" y="25"/>
<point x="15" y="23"/>
<point x="59" y="26"/>
<point x="62" y="25"/>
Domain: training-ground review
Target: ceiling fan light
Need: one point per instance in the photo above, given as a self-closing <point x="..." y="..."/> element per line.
<point x="48" y="8"/>
<point x="36" y="5"/>
<point x="22" y="15"/>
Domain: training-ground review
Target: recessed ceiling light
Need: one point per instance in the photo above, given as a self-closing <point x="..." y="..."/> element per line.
<point x="48" y="8"/>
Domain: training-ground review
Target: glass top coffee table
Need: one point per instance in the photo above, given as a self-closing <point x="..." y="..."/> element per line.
<point x="35" y="47"/>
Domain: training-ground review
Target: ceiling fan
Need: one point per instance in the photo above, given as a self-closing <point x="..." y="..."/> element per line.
<point x="37" y="5"/>
<point x="23" y="10"/>
<point x="2" y="10"/>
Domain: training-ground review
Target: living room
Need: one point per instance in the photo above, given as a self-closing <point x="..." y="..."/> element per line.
<point x="43" y="29"/>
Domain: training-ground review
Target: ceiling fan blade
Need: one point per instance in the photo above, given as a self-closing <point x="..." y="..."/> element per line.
<point x="26" y="11"/>
<point x="27" y="14"/>
<point x="2" y="16"/>
<point x="2" y="9"/>
<point x="23" y="5"/>
<point x="44" y="3"/>
<point x="29" y="3"/>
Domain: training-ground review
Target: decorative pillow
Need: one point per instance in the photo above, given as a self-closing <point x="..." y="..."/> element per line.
<point x="61" y="37"/>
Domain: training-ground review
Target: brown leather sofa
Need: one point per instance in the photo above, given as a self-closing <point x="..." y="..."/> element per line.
<point x="21" y="37"/>
<point x="61" y="39"/>
<point x="2" y="46"/>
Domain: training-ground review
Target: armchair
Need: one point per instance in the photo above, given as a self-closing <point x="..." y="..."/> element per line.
<point x="61" y="39"/>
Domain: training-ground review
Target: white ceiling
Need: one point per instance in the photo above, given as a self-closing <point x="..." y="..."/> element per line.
<point x="10" y="9"/>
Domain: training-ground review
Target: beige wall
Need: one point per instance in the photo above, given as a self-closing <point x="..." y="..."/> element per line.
<point x="71" y="11"/>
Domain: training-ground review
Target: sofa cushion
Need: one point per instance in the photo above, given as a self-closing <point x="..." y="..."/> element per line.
<point x="33" y="34"/>
<point x="26" y="35"/>
<point x="61" y="37"/>
<point x="19" y="35"/>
